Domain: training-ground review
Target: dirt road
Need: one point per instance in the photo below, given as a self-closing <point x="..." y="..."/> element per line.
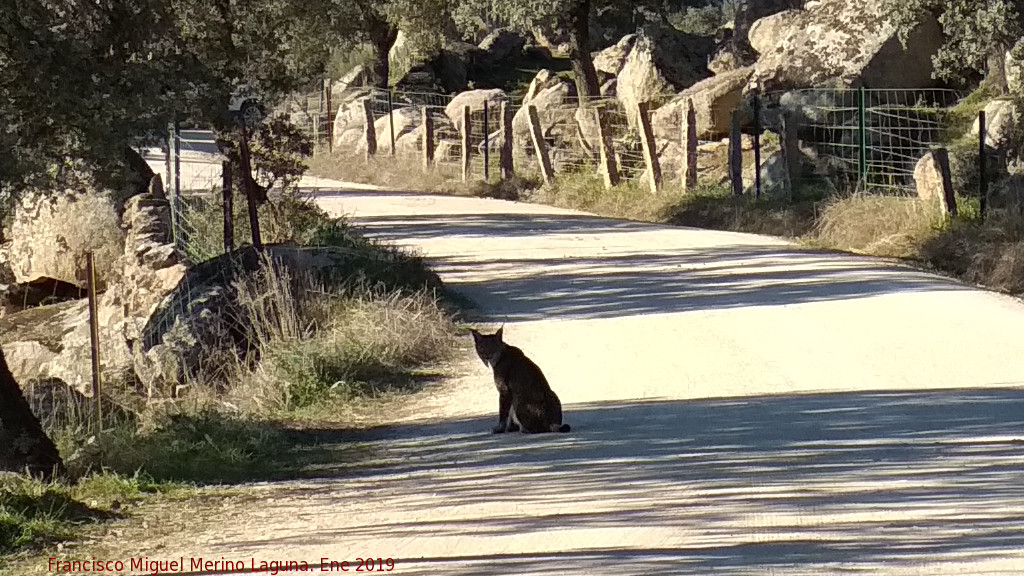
<point x="739" y="406"/>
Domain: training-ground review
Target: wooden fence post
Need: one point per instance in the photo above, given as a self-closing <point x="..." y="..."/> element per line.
<point x="756" y="104"/>
<point x="228" y="205"/>
<point x="982" y="163"/>
<point x="249" y="188"/>
<point x="948" y="199"/>
<point x="649" y="146"/>
<point x="539" y="145"/>
<point x="609" y="169"/>
<point x="428" y="139"/>
<point x="370" y="134"/>
<point x="319" y="113"/>
<point x="467" y="130"/>
<point x="688" y="168"/>
<point x="507" y="169"/>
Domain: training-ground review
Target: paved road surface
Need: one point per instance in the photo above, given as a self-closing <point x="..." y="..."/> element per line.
<point x="739" y="406"/>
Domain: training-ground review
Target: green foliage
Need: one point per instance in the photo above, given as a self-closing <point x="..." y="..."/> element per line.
<point x="278" y="151"/>
<point x="34" y="513"/>
<point x="80" y="80"/>
<point x="205" y="447"/>
<point x="699" y="21"/>
<point x="974" y="30"/>
<point x="83" y="81"/>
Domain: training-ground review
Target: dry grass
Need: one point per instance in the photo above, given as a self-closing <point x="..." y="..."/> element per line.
<point x="877" y="225"/>
<point x="988" y="251"/>
<point x="631" y="200"/>
<point x="403" y="172"/>
<point x="318" y="347"/>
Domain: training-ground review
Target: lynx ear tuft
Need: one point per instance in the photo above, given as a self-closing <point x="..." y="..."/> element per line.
<point x="476" y="335"/>
<point x="500" y="331"/>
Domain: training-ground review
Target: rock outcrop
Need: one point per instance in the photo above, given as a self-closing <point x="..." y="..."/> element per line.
<point x="854" y="43"/>
<point x="658" y="64"/>
<point x="714" y="99"/>
<point x="1004" y="125"/>
<point x="475" y="100"/>
<point x="556" y="103"/>
<point x="43" y="245"/>
<point x="54" y="342"/>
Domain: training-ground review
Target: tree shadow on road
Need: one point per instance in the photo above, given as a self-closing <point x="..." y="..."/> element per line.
<point x="688" y="280"/>
<point x="725" y="273"/>
<point x="859" y="479"/>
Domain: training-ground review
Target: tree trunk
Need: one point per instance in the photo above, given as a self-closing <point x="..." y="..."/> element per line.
<point x="23" y="443"/>
<point x="255" y="195"/>
<point x="995" y="69"/>
<point x="740" y="28"/>
<point x="583" y="69"/>
<point x="382" y="37"/>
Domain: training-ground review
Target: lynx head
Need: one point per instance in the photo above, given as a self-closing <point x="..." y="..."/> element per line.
<point x="488" y="346"/>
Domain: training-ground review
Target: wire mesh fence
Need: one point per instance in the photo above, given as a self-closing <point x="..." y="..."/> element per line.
<point x="871" y="139"/>
<point x="864" y="139"/>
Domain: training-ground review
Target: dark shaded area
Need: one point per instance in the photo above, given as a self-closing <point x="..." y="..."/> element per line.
<point x="50" y="504"/>
<point x="703" y="279"/>
<point x="24" y="446"/>
<point x="39" y="292"/>
<point x="883" y="465"/>
<point x="507" y="225"/>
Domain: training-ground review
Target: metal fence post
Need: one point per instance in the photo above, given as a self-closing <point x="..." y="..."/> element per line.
<point x="862" y="136"/>
<point x="982" y="163"/>
<point x="94" y="338"/>
<point x="487" y="138"/>
<point x="174" y="167"/>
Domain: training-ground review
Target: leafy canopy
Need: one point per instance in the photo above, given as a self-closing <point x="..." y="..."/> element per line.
<point x="974" y="29"/>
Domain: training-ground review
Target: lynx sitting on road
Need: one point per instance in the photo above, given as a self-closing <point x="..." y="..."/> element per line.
<point x="525" y="400"/>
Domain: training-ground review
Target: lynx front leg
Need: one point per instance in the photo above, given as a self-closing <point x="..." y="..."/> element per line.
<point x="513" y="421"/>
<point x="504" y="411"/>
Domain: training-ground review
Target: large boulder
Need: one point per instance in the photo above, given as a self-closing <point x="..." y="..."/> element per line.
<point x="542" y="81"/>
<point x="611" y="60"/>
<point x="1004" y="124"/>
<point x="554" y="39"/>
<point x="556" y="106"/>
<point x="54" y="341"/>
<point x="444" y="130"/>
<point x="207" y="325"/>
<point x="350" y="120"/>
<point x="357" y="77"/>
<point x="500" y="47"/>
<point x="475" y="100"/>
<point x="658" y="64"/>
<point x="713" y="98"/>
<point x="404" y="121"/>
<point x="854" y="43"/>
<point x="928" y="178"/>
<point x="43" y="245"/>
<point x="768" y="32"/>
